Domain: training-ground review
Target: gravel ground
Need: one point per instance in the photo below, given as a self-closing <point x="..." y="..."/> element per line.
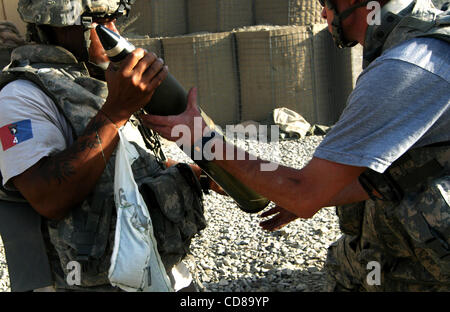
<point x="4" y="276"/>
<point x="234" y="254"/>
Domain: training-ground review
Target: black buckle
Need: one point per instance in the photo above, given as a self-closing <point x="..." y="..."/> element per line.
<point x="382" y="184"/>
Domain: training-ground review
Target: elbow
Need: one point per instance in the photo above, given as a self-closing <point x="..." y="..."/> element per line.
<point x="53" y="215"/>
<point x="302" y="209"/>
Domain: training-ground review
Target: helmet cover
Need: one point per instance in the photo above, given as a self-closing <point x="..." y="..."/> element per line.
<point x="68" y="12"/>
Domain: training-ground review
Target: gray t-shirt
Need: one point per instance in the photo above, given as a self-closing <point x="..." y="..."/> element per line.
<point x="400" y="101"/>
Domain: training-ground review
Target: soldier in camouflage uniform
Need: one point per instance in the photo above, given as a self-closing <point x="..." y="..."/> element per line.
<point x="385" y="164"/>
<point x="58" y="149"/>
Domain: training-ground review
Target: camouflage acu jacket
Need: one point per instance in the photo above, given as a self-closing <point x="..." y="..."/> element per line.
<point x="87" y="234"/>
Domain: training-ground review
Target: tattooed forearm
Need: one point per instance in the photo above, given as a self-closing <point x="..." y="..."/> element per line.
<point x="61" y="167"/>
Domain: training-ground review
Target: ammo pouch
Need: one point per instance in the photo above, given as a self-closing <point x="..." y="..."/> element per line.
<point x="425" y="218"/>
<point x="351" y="218"/>
<point x="411" y="173"/>
<point x="174" y="201"/>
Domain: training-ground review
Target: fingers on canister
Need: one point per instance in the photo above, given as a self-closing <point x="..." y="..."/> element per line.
<point x="155" y="76"/>
<point x="145" y="63"/>
<point x="130" y="62"/>
<point x="270" y="212"/>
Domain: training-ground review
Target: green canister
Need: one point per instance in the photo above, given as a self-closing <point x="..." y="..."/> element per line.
<point x="170" y="98"/>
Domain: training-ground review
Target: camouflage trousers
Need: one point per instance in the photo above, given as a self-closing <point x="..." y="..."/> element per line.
<point x="394" y="247"/>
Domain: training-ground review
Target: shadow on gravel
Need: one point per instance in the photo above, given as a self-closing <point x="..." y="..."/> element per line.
<point x="285" y="280"/>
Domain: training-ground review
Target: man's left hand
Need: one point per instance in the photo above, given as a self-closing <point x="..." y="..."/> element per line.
<point x="164" y="125"/>
<point x="282" y="217"/>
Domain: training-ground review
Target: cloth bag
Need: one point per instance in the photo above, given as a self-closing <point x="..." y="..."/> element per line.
<point x="135" y="261"/>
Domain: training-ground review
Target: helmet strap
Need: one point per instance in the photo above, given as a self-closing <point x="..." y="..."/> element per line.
<point x="35" y="33"/>
<point x="337" y="29"/>
<point x="86" y="22"/>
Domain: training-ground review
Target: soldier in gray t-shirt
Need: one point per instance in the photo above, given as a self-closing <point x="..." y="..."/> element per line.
<point x="400" y="101"/>
<point x="385" y="164"/>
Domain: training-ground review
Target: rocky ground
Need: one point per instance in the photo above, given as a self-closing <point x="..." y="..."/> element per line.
<point x="234" y="254"/>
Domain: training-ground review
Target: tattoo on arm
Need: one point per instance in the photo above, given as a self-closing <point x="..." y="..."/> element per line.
<point x="60" y="167"/>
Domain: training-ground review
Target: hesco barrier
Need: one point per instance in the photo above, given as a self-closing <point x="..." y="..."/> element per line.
<point x="177" y="17"/>
<point x="335" y="72"/>
<point x="156" y="18"/>
<point x="150" y="44"/>
<point x="8" y="11"/>
<point x="207" y="61"/>
<point x="287" y="12"/>
<point x="245" y="74"/>
<point x="275" y="70"/>
<point x="296" y="67"/>
<point x="219" y="15"/>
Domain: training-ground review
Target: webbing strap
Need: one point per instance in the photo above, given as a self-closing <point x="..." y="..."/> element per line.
<point x="433" y="239"/>
<point x="420" y="174"/>
<point x="397" y="180"/>
<point x="87" y="229"/>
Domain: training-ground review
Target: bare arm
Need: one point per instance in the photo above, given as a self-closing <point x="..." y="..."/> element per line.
<point x="58" y="183"/>
<point x="352" y="193"/>
<point x="301" y="192"/>
<point x="280" y="217"/>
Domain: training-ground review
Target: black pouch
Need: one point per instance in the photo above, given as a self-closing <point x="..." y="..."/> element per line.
<point x="383" y="183"/>
<point x="174" y="201"/>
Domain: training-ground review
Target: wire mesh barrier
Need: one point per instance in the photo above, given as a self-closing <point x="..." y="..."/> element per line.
<point x="155" y="18"/>
<point x="208" y="62"/>
<point x="245" y="73"/>
<point x="306" y="72"/>
<point x="287" y="12"/>
<point x="150" y="44"/>
<point x="275" y="70"/>
<point x="219" y="15"/>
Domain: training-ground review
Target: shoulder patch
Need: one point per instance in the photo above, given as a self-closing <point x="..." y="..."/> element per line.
<point x="15" y="133"/>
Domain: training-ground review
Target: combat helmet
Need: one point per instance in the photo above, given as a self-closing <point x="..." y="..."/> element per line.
<point x="336" y="24"/>
<point x="61" y="13"/>
<point x="70" y="12"/>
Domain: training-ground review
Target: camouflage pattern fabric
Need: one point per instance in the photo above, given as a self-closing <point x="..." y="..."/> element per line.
<point x="410" y="239"/>
<point x="422" y="20"/>
<point x="65" y="12"/>
<point x="87" y="233"/>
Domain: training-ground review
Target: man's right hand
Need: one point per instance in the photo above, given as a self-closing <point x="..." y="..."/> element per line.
<point x="131" y="86"/>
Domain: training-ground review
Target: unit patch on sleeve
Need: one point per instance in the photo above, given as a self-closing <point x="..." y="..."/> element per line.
<point x="15" y="133"/>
